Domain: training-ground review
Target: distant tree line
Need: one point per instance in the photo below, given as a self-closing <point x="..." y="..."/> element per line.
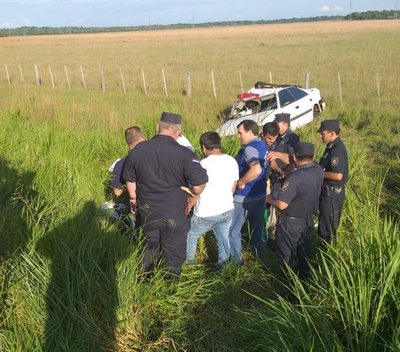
<point x="368" y="15"/>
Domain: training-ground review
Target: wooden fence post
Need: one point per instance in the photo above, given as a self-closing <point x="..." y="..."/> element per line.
<point x="378" y="88"/>
<point x="189" y="84"/>
<point x="270" y="77"/>
<point x="7" y="74"/>
<point x="102" y="80"/>
<point x="122" y="81"/>
<point x="307" y="82"/>
<point x="37" y="76"/>
<point x="164" y="82"/>
<point x="144" y="82"/>
<point x="82" y="77"/>
<point x="51" y="77"/>
<point x="213" y="84"/>
<point x="241" y="82"/>
<point x="340" y="90"/>
<point x="21" y="73"/>
<point x="67" y="76"/>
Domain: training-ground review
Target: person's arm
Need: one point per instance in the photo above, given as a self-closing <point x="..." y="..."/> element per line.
<point x="276" y="203"/>
<point x="333" y="176"/>
<point x="273" y="155"/>
<point x="118" y="191"/>
<point x="131" y="186"/>
<point x="285" y="196"/>
<point x="252" y="173"/>
<point x="196" y="190"/>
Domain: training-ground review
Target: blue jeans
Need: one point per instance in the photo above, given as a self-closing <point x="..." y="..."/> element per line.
<point x="253" y="211"/>
<point x="220" y="224"/>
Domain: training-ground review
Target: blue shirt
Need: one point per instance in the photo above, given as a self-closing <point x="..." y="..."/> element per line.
<point x="249" y="153"/>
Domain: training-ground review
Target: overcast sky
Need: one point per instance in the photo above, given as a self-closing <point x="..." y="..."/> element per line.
<point x="57" y="13"/>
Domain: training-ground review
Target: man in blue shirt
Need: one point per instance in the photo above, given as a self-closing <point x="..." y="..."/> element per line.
<point x="249" y="197"/>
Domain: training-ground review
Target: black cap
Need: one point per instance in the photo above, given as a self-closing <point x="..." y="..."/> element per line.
<point x="282" y="117"/>
<point x="169" y="117"/>
<point x="304" y="148"/>
<point x="332" y="125"/>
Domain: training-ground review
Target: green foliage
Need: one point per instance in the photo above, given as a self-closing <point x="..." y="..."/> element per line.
<point x="71" y="281"/>
<point x="367" y="15"/>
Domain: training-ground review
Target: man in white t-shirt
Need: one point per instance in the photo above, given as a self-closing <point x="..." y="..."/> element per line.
<point x="213" y="209"/>
<point x="182" y="140"/>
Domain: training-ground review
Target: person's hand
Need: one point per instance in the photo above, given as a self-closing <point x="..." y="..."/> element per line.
<point x="240" y="185"/>
<point x="132" y="205"/>
<point x="272" y="155"/>
<point x="191" y="201"/>
<point x="187" y="190"/>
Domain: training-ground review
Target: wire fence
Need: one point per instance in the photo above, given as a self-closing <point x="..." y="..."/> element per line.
<point x="116" y="80"/>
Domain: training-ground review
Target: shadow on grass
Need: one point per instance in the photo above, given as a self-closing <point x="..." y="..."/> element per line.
<point x="15" y="190"/>
<point x="82" y="296"/>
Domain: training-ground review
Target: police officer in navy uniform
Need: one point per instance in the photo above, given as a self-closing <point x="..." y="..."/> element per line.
<point x="154" y="172"/>
<point x="280" y="159"/>
<point x="334" y="163"/>
<point x="298" y="201"/>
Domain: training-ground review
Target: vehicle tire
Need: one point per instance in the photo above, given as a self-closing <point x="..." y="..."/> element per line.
<point x="317" y="111"/>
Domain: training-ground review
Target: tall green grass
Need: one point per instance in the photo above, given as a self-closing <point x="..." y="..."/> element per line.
<point x="70" y="281"/>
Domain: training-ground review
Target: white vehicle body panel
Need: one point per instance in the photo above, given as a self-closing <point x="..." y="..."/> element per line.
<point x="262" y="104"/>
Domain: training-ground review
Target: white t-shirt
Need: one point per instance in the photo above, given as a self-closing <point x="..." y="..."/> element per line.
<point x="182" y="140"/>
<point x="217" y="197"/>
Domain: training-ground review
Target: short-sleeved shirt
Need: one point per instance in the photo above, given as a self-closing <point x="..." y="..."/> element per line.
<point x="160" y="167"/>
<point x="117" y="181"/>
<point x="217" y="197"/>
<point x="335" y="159"/>
<point x="253" y="151"/>
<point x="286" y="144"/>
<point x="301" y="191"/>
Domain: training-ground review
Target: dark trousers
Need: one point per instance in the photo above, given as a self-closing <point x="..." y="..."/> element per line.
<point x="293" y="244"/>
<point x="330" y="210"/>
<point x="170" y="242"/>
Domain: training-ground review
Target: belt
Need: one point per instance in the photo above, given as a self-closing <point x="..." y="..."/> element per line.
<point x="336" y="188"/>
<point x="307" y="221"/>
<point x="292" y="217"/>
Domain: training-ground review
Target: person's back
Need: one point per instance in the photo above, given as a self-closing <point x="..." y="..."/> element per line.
<point x="214" y="207"/>
<point x="298" y="201"/>
<point x="160" y="172"/>
<point x="217" y="196"/>
<point x="308" y="181"/>
<point x="155" y="172"/>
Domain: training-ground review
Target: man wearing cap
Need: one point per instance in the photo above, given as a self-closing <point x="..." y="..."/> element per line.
<point x="298" y="201"/>
<point x="249" y="196"/>
<point x="334" y="163"/>
<point x="154" y="172"/>
<point x="281" y="160"/>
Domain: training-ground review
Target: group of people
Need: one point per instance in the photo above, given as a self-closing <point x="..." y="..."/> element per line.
<point x="273" y="183"/>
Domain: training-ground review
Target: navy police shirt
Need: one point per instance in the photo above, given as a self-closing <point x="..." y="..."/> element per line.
<point x="301" y="191"/>
<point x="160" y="167"/>
<point x="335" y="159"/>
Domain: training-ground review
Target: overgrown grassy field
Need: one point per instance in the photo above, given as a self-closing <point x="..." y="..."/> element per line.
<point x="69" y="279"/>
